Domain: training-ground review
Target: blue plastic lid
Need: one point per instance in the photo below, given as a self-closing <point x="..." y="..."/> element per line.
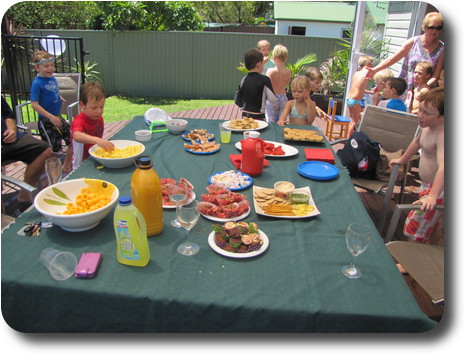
<point x="125" y="200"/>
<point x="144" y="162"/>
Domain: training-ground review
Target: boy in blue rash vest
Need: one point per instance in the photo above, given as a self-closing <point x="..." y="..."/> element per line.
<point x="46" y="101"/>
<point x="254" y="88"/>
<point x="394" y="88"/>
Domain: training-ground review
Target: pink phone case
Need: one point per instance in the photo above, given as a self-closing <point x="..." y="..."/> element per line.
<point x="88" y="265"/>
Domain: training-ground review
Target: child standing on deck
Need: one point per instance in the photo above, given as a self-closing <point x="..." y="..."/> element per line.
<point x="431" y="116"/>
<point x="46" y="101"/>
<point x="280" y="78"/>
<point x="302" y="109"/>
<point x="392" y="91"/>
<point x="380" y="78"/>
<point x="87" y="127"/>
<point x="357" y="91"/>
<point x="254" y="89"/>
<point x="422" y="74"/>
<point x="265" y="48"/>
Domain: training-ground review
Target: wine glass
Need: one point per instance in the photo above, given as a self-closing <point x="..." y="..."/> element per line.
<point x="188" y="216"/>
<point x="358" y="237"/>
<point x="177" y="194"/>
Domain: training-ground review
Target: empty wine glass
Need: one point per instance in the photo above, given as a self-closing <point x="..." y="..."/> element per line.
<point x="358" y="237"/>
<point x="177" y="194"/>
<point x="188" y="216"/>
<point x="53" y="169"/>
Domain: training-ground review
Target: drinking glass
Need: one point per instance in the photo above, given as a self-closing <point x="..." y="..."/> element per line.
<point x="188" y="216"/>
<point x="358" y="237"/>
<point x="177" y="194"/>
<point x="225" y="133"/>
<point x="53" y="169"/>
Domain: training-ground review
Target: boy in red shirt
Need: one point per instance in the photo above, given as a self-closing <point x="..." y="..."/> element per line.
<point x="87" y="127"/>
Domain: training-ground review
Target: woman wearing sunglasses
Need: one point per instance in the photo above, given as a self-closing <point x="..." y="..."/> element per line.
<point x="425" y="47"/>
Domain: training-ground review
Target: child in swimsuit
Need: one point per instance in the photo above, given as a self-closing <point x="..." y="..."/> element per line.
<point x="301" y="110"/>
<point x="421" y="224"/>
<point x="357" y="90"/>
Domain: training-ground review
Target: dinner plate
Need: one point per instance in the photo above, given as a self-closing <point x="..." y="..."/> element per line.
<point x="289" y="150"/>
<point x="317" y="170"/>
<point x="197" y="152"/>
<point x="187" y="139"/>
<point x="222" y="252"/>
<point x="304" y="190"/>
<point x="192" y="197"/>
<point x="233" y="219"/>
<point x="225" y="182"/>
<point x="261" y="125"/>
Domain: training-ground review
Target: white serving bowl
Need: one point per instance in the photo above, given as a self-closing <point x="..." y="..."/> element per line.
<point x="143" y="135"/>
<point x="71" y="188"/>
<point x="176" y="126"/>
<point x="117" y="162"/>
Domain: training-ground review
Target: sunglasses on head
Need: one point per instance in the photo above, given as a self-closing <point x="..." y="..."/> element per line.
<point x="438" y="28"/>
<point x="44" y="61"/>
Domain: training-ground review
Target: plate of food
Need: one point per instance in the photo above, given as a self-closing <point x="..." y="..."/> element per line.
<point x="303" y="135"/>
<point x="299" y="204"/>
<point x="167" y="203"/>
<point x="231" y="179"/>
<point x="197" y="135"/>
<point x="220" y="204"/>
<point x="275" y="149"/>
<point x="245" y="124"/>
<point x="238" y="240"/>
<point x="202" y="147"/>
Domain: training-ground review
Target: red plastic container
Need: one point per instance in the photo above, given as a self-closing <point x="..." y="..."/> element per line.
<point x="252" y="154"/>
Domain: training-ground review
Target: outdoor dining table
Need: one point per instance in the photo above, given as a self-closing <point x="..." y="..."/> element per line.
<point x="296" y="285"/>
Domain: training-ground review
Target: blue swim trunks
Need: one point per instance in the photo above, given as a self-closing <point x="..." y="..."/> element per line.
<point x="351" y="102"/>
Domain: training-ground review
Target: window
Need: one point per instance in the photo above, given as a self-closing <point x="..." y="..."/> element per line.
<point x="297" y="30"/>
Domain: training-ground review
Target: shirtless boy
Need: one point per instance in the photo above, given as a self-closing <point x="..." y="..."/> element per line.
<point x="280" y="78"/>
<point x="357" y="91"/>
<point x="422" y="73"/>
<point x="421" y="224"/>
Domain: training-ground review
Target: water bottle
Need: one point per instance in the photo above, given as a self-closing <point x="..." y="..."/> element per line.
<point x="147" y="195"/>
<point x="131" y="234"/>
<point x="252" y="154"/>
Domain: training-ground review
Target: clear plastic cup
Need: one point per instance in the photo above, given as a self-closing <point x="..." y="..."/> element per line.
<point x="225" y="133"/>
<point x="60" y="264"/>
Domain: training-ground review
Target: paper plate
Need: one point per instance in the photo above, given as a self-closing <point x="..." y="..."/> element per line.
<point x="317" y="170"/>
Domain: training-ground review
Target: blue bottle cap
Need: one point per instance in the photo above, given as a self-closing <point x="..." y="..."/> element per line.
<point x="125" y="200"/>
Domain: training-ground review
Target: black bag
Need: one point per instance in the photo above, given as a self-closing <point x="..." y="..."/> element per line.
<point x="360" y="156"/>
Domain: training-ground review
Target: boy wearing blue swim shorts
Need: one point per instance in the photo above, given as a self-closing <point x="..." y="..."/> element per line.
<point x="357" y="90"/>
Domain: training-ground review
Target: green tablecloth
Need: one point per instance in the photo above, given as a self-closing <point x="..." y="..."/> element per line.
<point x="295" y="286"/>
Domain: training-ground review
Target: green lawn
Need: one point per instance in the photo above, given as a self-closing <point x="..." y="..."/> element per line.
<point x="122" y="108"/>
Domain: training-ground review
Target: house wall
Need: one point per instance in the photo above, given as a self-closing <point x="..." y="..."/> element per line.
<point x="181" y="64"/>
<point x="404" y="21"/>
<point x="313" y="29"/>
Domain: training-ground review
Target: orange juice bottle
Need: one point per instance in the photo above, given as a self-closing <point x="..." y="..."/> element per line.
<point x="147" y="195"/>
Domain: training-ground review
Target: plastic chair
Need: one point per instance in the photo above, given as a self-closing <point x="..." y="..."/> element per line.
<point x="336" y="120"/>
<point x="394" y="130"/>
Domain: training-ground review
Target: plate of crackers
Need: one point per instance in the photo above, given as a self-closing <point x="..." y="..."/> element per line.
<point x="302" y="135"/>
<point x="299" y="204"/>
<point x="202" y="147"/>
<point x="245" y="124"/>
